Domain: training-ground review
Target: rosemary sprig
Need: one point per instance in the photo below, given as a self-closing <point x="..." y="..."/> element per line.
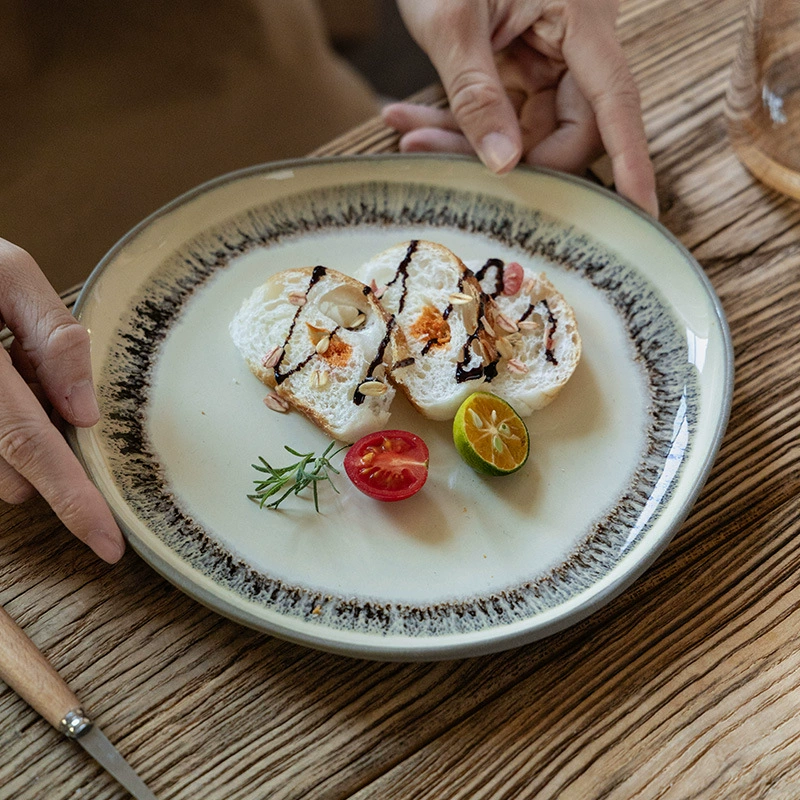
<point x="309" y="470"/>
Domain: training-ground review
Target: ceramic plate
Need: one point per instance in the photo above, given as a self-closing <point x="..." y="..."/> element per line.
<point x="470" y="565"/>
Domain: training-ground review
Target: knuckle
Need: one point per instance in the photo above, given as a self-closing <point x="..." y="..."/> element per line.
<point x="61" y="337"/>
<point x="21" y="445"/>
<point x="472" y="94"/>
<point x="14" y="489"/>
<point x="69" y="506"/>
<point x="620" y="90"/>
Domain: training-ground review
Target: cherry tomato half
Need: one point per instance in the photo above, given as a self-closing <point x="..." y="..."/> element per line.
<point x="388" y="465"/>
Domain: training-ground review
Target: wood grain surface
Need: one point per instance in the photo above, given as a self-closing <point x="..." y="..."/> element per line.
<point x="685" y="686"/>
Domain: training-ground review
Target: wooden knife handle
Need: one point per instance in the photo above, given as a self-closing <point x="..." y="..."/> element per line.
<point x="31" y="675"/>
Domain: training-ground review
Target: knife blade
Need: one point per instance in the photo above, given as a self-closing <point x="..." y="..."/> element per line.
<point x="36" y="681"/>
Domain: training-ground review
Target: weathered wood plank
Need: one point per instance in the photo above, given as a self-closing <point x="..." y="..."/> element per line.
<point x="653" y="696"/>
<point x="637" y="709"/>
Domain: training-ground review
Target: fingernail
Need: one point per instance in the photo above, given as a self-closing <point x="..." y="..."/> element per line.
<point x="108" y="548"/>
<point x="83" y="404"/>
<point x="498" y="152"/>
<point x="654" y="205"/>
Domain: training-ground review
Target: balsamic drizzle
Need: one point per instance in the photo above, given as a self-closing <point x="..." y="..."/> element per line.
<point x="463" y="371"/>
<point x="434" y="340"/>
<point x="551" y="332"/>
<point x="488" y="371"/>
<point x="358" y="395"/>
<point x="498" y="288"/>
<point x="402" y="271"/>
<point x="552" y="321"/>
<point x="316" y="275"/>
<point x="498" y="276"/>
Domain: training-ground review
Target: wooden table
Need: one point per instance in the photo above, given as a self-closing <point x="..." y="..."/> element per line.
<point x="687" y="685"/>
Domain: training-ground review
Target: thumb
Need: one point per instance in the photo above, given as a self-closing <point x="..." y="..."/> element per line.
<point x="457" y="40"/>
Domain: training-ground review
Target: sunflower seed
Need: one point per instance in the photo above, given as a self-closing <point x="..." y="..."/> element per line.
<point x="461" y="298"/>
<point x="373" y="388"/>
<point x="323" y="344"/>
<point x="272" y="358"/>
<point x="318" y="378"/>
<point x="297" y="298"/>
<point x="348" y="315"/>
<point x="316" y="334"/>
<point x="276" y="403"/>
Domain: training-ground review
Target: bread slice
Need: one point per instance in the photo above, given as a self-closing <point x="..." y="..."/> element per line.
<point x="325" y="345"/>
<point x="445" y="317"/>
<point x="537" y="335"/>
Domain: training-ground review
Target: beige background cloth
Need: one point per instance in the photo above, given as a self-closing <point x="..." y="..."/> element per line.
<point x="110" y="110"/>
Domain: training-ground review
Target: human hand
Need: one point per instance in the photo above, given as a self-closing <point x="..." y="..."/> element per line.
<point x="544" y="81"/>
<point x="48" y="366"/>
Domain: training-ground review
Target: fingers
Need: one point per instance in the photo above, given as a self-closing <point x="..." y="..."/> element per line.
<point x="457" y="38"/>
<point x="51" y="352"/>
<point x="574" y="142"/>
<point x="435" y="140"/>
<point x="54" y="343"/>
<point x="601" y="72"/>
<point x="13" y="487"/>
<point x="32" y="447"/>
<point x="404" y="117"/>
<point x="426" y="129"/>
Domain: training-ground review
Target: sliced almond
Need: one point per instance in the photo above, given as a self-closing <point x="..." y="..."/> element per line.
<point x="487" y="327"/>
<point x="506" y="323"/>
<point x="527" y="325"/>
<point x="504" y="347"/>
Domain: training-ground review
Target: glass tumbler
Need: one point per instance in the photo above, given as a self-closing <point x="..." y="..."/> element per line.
<point x="763" y="99"/>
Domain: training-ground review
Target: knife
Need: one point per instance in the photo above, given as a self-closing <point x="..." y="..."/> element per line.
<point x="35" y="680"/>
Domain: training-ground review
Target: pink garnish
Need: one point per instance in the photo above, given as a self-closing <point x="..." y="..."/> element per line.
<point x="513" y="275"/>
<point x="376" y="290"/>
